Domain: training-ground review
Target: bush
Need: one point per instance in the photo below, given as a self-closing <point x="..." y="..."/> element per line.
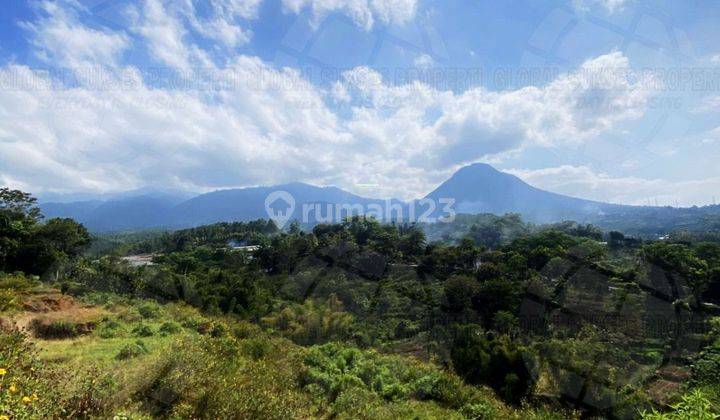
<point x="9" y="300"/>
<point x="132" y="350"/>
<point x="218" y="330"/>
<point x="58" y="329"/>
<point x="193" y="322"/>
<point x="203" y="377"/>
<point x="149" y="310"/>
<point x="73" y="288"/>
<point x="245" y="330"/>
<point x="109" y="329"/>
<point x="38" y="391"/>
<point x="256" y="348"/>
<point x="335" y="368"/>
<point x="143" y="330"/>
<point x="706" y="369"/>
<point x="17" y="282"/>
<point x="170" y="327"/>
<point x="694" y="405"/>
<point x="479" y="411"/>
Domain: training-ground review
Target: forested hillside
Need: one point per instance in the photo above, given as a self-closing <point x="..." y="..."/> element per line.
<point x="490" y="317"/>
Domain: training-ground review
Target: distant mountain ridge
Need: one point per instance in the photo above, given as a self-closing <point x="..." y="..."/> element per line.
<point x="477" y="188"/>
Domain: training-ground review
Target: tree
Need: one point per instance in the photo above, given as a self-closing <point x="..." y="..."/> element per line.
<point x="412" y="242"/>
<point x="479" y="358"/>
<point x="49" y="244"/>
<point x="18" y="217"/>
<point x="459" y="291"/>
<point x="679" y="259"/>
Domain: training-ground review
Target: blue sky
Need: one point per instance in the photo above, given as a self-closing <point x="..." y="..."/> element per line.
<point x="613" y="100"/>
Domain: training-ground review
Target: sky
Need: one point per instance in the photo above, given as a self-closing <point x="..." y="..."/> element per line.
<point x="611" y="100"/>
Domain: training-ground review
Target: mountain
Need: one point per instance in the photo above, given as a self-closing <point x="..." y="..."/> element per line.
<point x="249" y="203"/>
<point x="480" y="188"/>
<point x="477" y="188"/>
<point x="158" y="210"/>
<point x="129" y="212"/>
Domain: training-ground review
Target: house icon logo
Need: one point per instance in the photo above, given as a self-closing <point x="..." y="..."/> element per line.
<point x="280" y="206"/>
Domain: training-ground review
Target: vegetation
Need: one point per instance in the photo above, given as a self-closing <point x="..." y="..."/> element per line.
<point x="489" y="318"/>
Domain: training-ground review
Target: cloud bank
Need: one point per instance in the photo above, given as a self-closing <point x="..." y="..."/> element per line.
<point x="241" y="121"/>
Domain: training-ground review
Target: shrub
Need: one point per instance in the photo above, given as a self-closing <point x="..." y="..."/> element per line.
<point x="335" y="368"/>
<point x="17" y="282"/>
<point x="109" y="329"/>
<point x="706" y="369"/>
<point x="9" y="300"/>
<point x="39" y="391"/>
<point x="91" y="394"/>
<point x="694" y="405"/>
<point x="202" y="377"/>
<point x="73" y="288"/>
<point x="149" y="310"/>
<point x="143" y="330"/>
<point x="256" y="348"/>
<point x="479" y="411"/>
<point x="170" y="327"/>
<point x="218" y="329"/>
<point x="245" y="330"/>
<point x="58" y="329"/>
<point x="132" y="350"/>
<point x="193" y="322"/>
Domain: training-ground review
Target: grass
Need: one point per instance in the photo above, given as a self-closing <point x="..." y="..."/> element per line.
<point x="94" y="349"/>
<point x="115" y="328"/>
<point x="236" y="369"/>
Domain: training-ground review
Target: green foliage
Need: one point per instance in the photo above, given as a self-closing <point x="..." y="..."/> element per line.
<point x="149" y="310"/>
<point x="335" y="368"/>
<point x="143" y="330"/>
<point x="498" y="361"/>
<point x="56" y="329"/>
<point x="460" y="304"/>
<point x="132" y="350"/>
<point x="31" y="389"/>
<point x="9" y="301"/>
<point x="215" y="235"/>
<point x="170" y="327"/>
<point x="312" y="323"/>
<point x="208" y="377"/>
<point x="694" y="406"/>
<point x="17" y="282"/>
<point x="680" y="259"/>
<point x="109" y="329"/>
<point x="706" y="369"/>
<point x="256" y="348"/>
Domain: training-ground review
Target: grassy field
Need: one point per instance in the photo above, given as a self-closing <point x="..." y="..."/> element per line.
<point x="141" y="359"/>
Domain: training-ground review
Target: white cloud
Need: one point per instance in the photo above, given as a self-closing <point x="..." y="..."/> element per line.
<point x="224" y="24"/>
<point x="611" y="6"/>
<point x="59" y="39"/>
<point x="423" y="62"/>
<point x="445" y="129"/>
<point x="712" y="136"/>
<point x="255" y="124"/>
<point x="583" y="182"/>
<point x="173" y="29"/>
<point x="364" y="13"/>
<point x="710" y="104"/>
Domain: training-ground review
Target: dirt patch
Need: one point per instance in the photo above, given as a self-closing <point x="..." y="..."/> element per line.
<point x="664" y="392"/>
<point x="53" y="302"/>
<point x="52" y="315"/>
<point x="675" y="373"/>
